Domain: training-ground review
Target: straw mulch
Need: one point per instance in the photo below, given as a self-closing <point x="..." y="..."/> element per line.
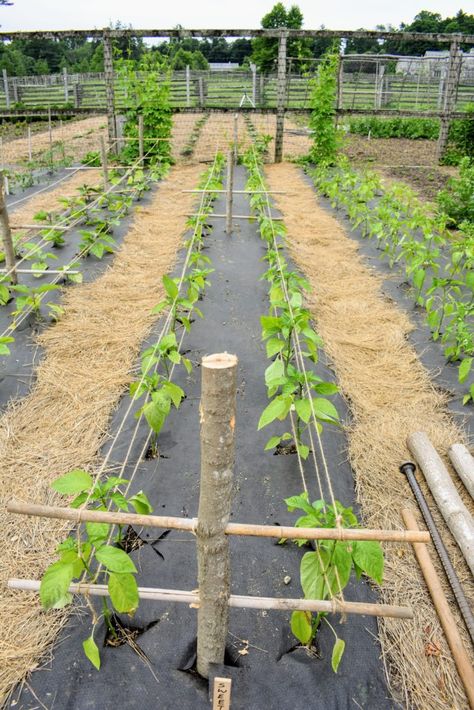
<point x="63" y="422"/>
<point x="49" y="200"/>
<point x="390" y="395"/>
<point x="79" y="138"/>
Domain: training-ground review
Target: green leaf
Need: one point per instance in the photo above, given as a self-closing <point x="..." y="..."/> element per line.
<point x="97" y="532"/>
<point x="368" y="555"/>
<point x="326" y="388"/>
<point x="188" y="365"/>
<point x="275" y="374"/>
<point x="303" y="409"/>
<point x="465" y="369"/>
<point x="272" y="442"/>
<point x="170" y="287"/>
<point x="337" y="653"/>
<point x="277" y="409"/>
<point x="470" y="280"/>
<point x="92" y="652"/>
<point x="55" y="584"/>
<point x="115" y="560"/>
<point x="73" y="482"/>
<point x="155" y="416"/>
<point x="301" y="626"/>
<point x="274" y="346"/>
<point x="325" y="410"/>
<point x="175" y="392"/>
<point x="419" y="278"/>
<point x="141" y="503"/>
<point x="303" y="451"/>
<point x="123" y="592"/>
<point x="311" y="574"/>
<point x="174" y="356"/>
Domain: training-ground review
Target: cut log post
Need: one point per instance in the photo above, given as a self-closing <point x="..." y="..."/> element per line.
<point x="217" y="461"/>
<point x="6" y="88"/>
<point x="463" y="463"/>
<point x="6" y="235"/>
<point x="66" y="85"/>
<point x="236" y="137"/>
<point x="453" y="510"/>
<point x="281" y="97"/>
<point x="188" y="86"/>
<point x="229" y="193"/>
<point x="141" y="135"/>
<point x="109" y="89"/>
<point x="30" y="153"/>
<point x="448" y="622"/>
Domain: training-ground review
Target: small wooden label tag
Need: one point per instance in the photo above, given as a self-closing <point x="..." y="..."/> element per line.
<point x="221" y="697"/>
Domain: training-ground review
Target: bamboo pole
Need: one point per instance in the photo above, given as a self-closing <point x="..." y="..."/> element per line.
<point x="141" y="130"/>
<point x="30" y="153"/>
<point x="237" y="601"/>
<point x="245" y="192"/>
<point x="463" y="463"/>
<point x="448" y="622"/>
<point x="82" y="515"/>
<point x="217" y="410"/>
<point x="6" y="235"/>
<point x="236" y="137"/>
<point x="229" y="192"/>
<point x="104" y="160"/>
<point x="449" y="502"/>
<point x="235" y="216"/>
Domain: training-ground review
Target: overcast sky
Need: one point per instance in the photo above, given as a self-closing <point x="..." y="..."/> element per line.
<point x="245" y="14"/>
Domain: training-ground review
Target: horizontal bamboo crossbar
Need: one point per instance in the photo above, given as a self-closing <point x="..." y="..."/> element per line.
<point x="332" y="606"/>
<point x="234" y="216"/>
<point x="80" y="515"/>
<point x="41" y="227"/>
<point x="42" y="271"/>
<point x="246" y="192"/>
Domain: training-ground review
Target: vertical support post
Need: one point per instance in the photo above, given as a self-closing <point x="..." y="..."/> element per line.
<point x="236" y="137"/>
<point x="30" y="153"/>
<point x="340" y="86"/>
<point x="281" y="97"/>
<point x="217" y="461"/>
<point x="141" y="131"/>
<point x="262" y="90"/>
<point x="450" y="93"/>
<point x="253" y="67"/>
<point x="66" y="85"/>
<point x="188" y="86"/>
<point x="6" y="235"/>
<point x="50" y="132"/>
<point x="15" y="89"/>
<point x="109" y="89"/>
<point x="201" y="92"/>
<point x="6" y="88"/>
<point x="229" y="192"/>
<point x="105" y="163"/>
<point x="77" y="95"/>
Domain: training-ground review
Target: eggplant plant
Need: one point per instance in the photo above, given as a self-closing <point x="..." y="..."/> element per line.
<point x="95" y="554"/>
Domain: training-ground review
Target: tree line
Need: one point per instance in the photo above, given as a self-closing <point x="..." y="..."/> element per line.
<point x="43" y="56"/>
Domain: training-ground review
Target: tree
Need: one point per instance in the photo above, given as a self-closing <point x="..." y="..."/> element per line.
<point x="265" y="49"/>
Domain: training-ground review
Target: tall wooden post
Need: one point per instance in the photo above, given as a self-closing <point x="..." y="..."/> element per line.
<point x="66" y="85"/>
<point x="281" y="97"/>
<point x="217" y="461"/>
<point x="141" y="138"/>
<point x="6" y="88"/>
<point x="253" y="67"/>
<point x="450" y="92"/>
<point x="109" y="88"/>
<point x="229" y="192"/>
<point x="6" y="235"/>
<point x="188" y="85"/>
<point x="30" y="152"/>
<point x="105" y="163"/>
<point x="236" y="137"/>
<point x="201" y="91"/>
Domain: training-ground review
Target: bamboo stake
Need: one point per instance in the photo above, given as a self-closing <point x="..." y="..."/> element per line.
<point x="236" y="136"/>
<point x="449" y="502"/>
<point x="245" y="192"/>
<point x="30" y="153"/>
<point x="80" y="515"/>
<point x="41" y="271"/>
<point x="6" y="235"/>
<point x="448" y="622"/>
<point x="229" y="193"/>
<point x="105" y="165"/>
<point x="217" y="412"/>
<point x="237" y="601"/>
<point x="463" y="462"/>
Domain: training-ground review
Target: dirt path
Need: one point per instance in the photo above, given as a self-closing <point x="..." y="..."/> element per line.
<point x="62" y="423"/>
<point x="390" y="395"/>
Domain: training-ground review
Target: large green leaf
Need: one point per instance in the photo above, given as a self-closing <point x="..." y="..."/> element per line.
<point x="55" y="584"/>
<point x="325" y="410"/>
<point x="301" y="625"/>
<point x="115" y="560"/>
<point x="277" y="409"/>
<point x="73" y="482"/>
<point x="368" y="556"/>
<point x="123" y="592"/>
<point x="92" y="652"/>
<point x="170" y="287"/>
<point x="311" y="574"/>
<point x="337" y="653"/>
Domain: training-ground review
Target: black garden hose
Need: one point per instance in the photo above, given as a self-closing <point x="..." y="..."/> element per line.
<point x="408" y="469"/>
